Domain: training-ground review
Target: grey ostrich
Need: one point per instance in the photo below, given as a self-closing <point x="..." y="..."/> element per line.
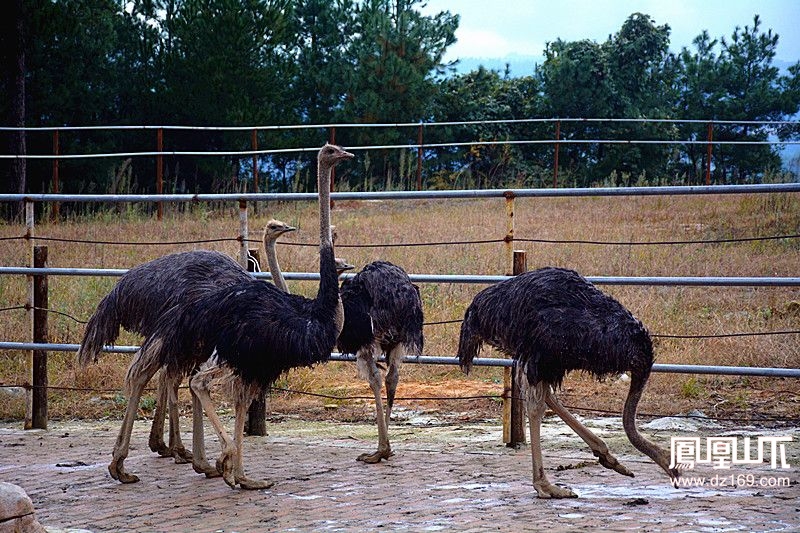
<point x="382" y="314"/>
<point x="137" y="303"/>
<point x="251" y="332"/>
<point x="552" y="321"/>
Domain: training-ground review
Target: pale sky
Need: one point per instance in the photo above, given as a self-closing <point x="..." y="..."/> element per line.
<point x="502" y="28"/>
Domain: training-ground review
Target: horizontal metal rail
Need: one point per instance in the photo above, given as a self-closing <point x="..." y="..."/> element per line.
<point x="668" y="281"/>
<point x="400" y="124"/>
<point x="273" y="151"/>
<point x="480" y="361"/>
<point x="414" y="195"/>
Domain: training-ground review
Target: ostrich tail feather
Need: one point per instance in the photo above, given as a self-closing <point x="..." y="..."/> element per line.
<point x="102" y="329"/>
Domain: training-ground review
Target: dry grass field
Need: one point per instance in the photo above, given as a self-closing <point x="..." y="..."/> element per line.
<point x="664" y="310"/>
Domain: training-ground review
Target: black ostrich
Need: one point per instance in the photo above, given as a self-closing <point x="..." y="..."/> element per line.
<point x="252" y="332"/>
<point x="138" y="302"/>
<point x="552" y="321"/>
<point x="382" y="313"/>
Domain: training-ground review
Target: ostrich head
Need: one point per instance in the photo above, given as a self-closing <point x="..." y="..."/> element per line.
<point x="342" y="266"/>
<point x="274" y="229"/>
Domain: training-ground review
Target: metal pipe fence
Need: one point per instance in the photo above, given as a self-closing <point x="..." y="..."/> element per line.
<point x="509" y="195"/>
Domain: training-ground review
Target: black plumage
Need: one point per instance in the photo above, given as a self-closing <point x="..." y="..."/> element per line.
<point x="146" y="291"/>
<point x="253" y="329"/>
<point x="553" y="321"/>
<point x="251" y="332"/>
<point x="382" y="313"/>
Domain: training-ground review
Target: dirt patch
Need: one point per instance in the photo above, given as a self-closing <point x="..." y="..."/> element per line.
<point x="446" y="475"/>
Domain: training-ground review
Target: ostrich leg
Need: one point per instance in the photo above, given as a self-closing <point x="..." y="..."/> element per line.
<point x="156" y="441"/>
<point x="199" y="384"/>
<point x="138" y="376"/>
<point x="369" y="369"/>
<point x="535" y="403"/>
<point x="200" y="463"/>
<point x="395" y="360"/>
<point x="178" y="451"/>
<point x="598" y="446"/>
<point x="243" y="401"/>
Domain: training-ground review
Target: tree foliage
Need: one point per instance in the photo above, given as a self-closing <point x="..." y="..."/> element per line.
<point x="282" y="62"/>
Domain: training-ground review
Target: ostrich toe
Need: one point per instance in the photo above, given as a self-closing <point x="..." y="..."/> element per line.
<point x="376" y="457"/>
<point x="204" y="467"/>
<point x="159" y="446"/>
<point x="253" y="484"/>
<point x="548" y="490"/>
<point x="181" y="455"/>
<point x="117" y="471"/>
<point x="609" y="461"/>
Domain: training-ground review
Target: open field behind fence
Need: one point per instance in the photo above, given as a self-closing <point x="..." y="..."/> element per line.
<point x="718" y="221"/>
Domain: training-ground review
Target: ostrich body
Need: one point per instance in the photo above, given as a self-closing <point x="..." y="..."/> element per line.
<point x="252" y="332"/>
<point x="138" y="302"/>
<point x="552" y="321"/>
<point x="383" y="313"/>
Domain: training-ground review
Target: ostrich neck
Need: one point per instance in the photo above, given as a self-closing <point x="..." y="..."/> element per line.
<point x="323" y="186"/>
<point x="274" y="267"/>
<point x="328" y="293"/>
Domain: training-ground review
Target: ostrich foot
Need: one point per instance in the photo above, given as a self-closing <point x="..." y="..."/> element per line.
<point x="372" y="458"/>
<point x="609" y="461"/>
<point x="181" y="455"/>
<point x="546" y="489"/>
<point x="117" y="471"/>
<point x="225" y="468"/>
<point x="253" y="484"/>
<point x="159" y="446"/>
<point x="204" y="467"/>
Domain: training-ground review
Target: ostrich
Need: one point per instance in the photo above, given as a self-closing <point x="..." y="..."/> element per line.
<point x="552" y="321"/>
<point x="383" y="313"/>
<point x="137" y="304"/>
<point x="252" y="332"/>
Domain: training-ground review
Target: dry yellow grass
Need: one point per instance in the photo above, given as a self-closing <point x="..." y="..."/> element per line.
<point x="665" y="310"/>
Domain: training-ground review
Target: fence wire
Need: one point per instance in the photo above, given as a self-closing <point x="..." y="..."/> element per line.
<point x="729" y="240"/>
<point x="458" y="321"/>
<point x="344" y="398"/>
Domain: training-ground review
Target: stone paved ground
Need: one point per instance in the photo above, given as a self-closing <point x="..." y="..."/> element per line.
<point x="446" y="477"/>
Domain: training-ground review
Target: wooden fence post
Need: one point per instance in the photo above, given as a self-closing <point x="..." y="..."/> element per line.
<point x="708" y="152"/>
<point x="29" y="233"/>
<point x="256" y="423"/>
<point x="517" y="435"/>
<point x="507" y="374"/>
<point x="39" y="366"/>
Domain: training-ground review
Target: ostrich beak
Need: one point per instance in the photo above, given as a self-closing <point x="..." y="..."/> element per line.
<point x="345" y="155"/>
<point x="287" y="229"/>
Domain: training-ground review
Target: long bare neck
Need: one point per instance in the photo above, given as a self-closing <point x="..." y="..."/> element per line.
<point x="274" y="267"/>
<point x="324" y="185"/>
<point x="327" y="267"/>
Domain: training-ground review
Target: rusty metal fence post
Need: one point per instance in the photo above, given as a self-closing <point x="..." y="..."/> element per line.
<point x="160" y="169"/>
<point x="54" y="215"/>
<point x="708" y="152"/>
<point x="254" y="145"/>
<point x="419" y="157"/>
<point x="555" y="157"/>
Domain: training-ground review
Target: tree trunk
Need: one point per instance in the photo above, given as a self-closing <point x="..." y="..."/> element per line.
<point x="16" y="58"/>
